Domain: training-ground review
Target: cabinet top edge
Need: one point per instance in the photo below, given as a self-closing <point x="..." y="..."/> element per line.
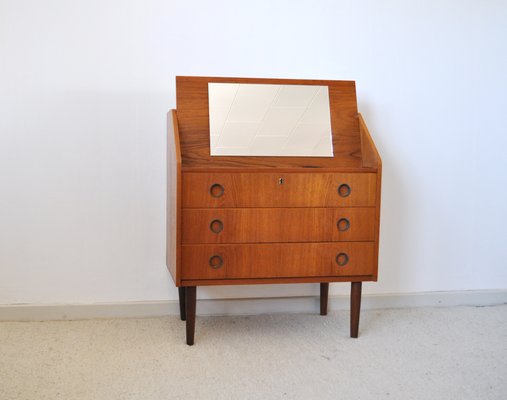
<point x="279" y="170"/>
<point x="228" y="79"/>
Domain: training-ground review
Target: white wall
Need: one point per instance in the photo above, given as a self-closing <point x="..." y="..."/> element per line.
<point x="85" y="85"/>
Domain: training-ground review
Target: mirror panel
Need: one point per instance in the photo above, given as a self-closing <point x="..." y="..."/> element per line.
<point x="269" y="120"/>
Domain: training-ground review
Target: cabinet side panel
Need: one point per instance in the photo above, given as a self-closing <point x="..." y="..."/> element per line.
<point x="173" y="246"/>
<point x="377" y="217"/>
<point x="370" y="154"/>
<point x="371" y="158"/>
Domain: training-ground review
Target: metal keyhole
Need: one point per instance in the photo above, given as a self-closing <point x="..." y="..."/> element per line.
<point x="280" y="181"/>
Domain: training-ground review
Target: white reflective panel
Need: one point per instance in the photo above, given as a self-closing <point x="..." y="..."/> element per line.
<point x="269" y="120"/>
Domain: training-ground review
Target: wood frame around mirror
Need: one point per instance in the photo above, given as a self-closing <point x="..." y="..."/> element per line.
<point x="193" y="124"/>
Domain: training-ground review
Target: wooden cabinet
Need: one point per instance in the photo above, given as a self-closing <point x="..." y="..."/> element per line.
<point x="255" y="220"/>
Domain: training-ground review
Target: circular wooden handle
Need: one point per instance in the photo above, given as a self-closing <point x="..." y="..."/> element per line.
<point x="344" y="190"/>
<point x="343" y="224"/>
<point x="216" y="226"/>
<point x="215" y="261"/>
<point x="216" y="190"/>
<point x="342" y="259"/>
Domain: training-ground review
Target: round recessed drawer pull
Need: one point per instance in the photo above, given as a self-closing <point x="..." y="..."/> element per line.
<point x="216" y="226"/>
<point x="344" y="190"/>
<point x="342" y="259"/>
<point x="216" y="190"/>
<point x="215" y="261"/>
<point x="343" y="224"/>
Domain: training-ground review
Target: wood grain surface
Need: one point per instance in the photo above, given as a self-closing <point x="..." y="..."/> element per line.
<point x="264" y="189"/>
<point x="173" y="225"/>
<point x="265" y="281"/>
<point x="371" y="158"/>
<point x="193" y="117"/>
<point x="370" y="155"/>
<point x="286" y="225"/>
<point x="276" y="260"/>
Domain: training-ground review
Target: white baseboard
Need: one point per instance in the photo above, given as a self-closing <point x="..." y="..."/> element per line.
<point x="45" y="312"/>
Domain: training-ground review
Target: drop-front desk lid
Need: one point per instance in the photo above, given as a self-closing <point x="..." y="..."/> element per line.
<point x="347" y="145"/>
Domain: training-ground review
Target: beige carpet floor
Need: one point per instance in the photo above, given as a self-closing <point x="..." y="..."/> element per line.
<point x="424" y="353"/>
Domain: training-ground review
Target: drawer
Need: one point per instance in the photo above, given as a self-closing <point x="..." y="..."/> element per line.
<point x="277" y="260"/>
<point x="260" y="225"/>
<point x="262" y="189"/>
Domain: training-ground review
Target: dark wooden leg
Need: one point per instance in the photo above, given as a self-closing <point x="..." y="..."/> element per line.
<point x="181" y="292"/>
<point x="355" y="308"/>
<point x="190" y="299"/>
<point x="324" y="292"/>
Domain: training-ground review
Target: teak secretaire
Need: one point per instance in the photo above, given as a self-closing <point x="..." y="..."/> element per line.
<point x="235" y="220"/>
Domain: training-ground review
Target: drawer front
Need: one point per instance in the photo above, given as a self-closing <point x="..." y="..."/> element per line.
<point x="261" y="225"/>
<point x="236" y="261"/>
<point x="209" y="190"/>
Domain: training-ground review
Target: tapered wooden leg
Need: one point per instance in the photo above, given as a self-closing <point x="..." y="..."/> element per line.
<point x="324" y="292"/>
<point x="355" y="308"/>
<point x="181" y="292"/>
<point x="190" y="300"/>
